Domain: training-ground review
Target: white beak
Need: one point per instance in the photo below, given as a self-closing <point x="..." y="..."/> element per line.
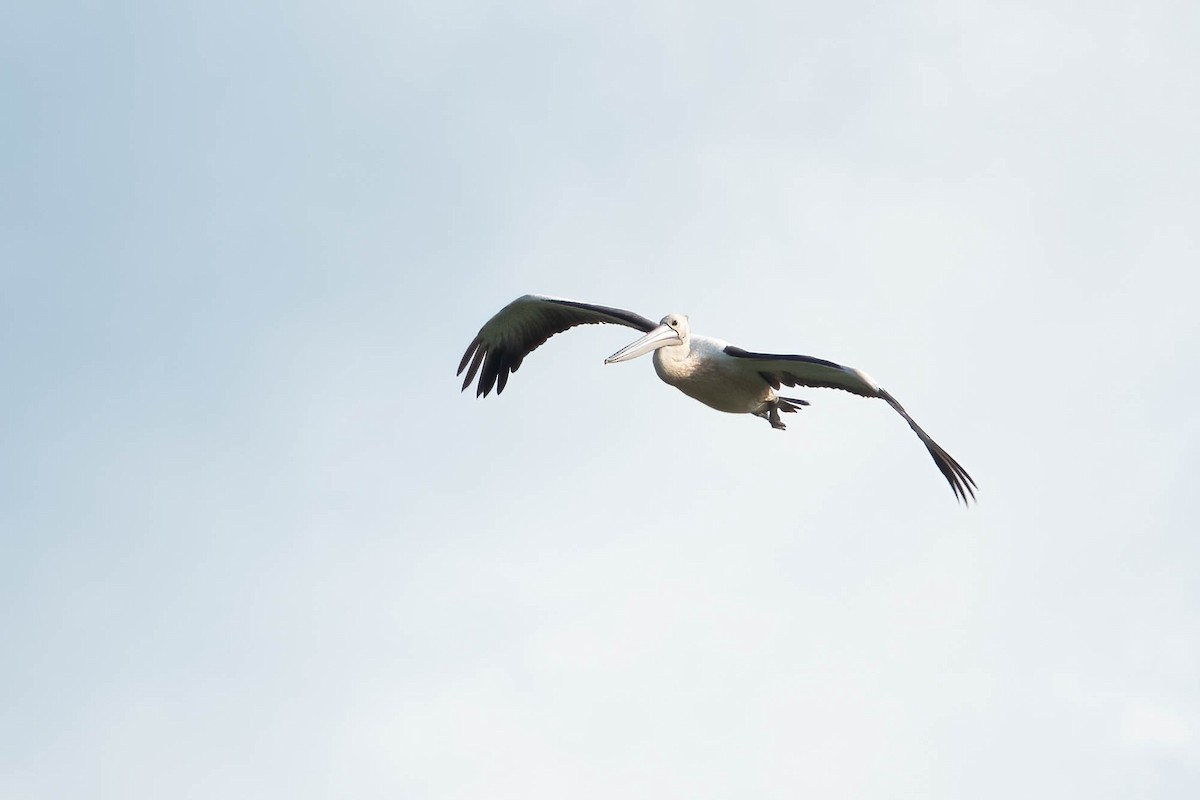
<point x="661" y="336"/>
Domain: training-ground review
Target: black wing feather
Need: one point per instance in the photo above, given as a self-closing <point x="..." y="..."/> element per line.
<point x="524" y="325"/>
<point x="817" y="372"/>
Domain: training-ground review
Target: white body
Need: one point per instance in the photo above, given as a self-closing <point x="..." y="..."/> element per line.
<point x="700" y="369"/>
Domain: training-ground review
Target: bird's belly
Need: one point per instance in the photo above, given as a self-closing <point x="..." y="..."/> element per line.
<point x="732" y="393"/>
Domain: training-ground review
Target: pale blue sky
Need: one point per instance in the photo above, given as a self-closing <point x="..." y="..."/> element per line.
<point x="256" y="544"/>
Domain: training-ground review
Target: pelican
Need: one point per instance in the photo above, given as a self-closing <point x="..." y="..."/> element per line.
<point x="714" y="372"/>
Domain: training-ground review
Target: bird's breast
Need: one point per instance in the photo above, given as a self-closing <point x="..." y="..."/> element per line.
<point x="707" y="378"/>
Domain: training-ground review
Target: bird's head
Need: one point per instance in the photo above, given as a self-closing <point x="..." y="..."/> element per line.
<point x="677" y="323"/>
<point x="673" y="330"/>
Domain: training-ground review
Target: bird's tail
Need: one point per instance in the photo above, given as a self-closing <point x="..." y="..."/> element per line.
<point x="790" y="404"/>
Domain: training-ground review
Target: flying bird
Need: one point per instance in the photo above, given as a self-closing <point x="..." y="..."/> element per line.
<point x="714" y="372"/>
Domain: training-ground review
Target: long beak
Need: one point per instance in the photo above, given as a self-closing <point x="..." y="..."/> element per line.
<point x="661" y="336"/>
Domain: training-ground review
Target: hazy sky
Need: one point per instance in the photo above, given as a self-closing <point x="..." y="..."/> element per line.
<point x="256" y="544"/>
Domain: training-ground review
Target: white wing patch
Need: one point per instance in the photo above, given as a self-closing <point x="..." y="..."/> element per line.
<point x="867" y="379"/>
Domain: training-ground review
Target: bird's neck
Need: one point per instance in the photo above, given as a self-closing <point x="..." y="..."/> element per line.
<point x="671" y="362"/>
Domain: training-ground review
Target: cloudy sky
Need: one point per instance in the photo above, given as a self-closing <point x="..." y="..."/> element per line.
<point x="254" y="543"/>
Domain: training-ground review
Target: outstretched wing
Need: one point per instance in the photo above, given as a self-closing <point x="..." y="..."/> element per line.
<point x="808" y="371"/>
<point x="522" y="326"/>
